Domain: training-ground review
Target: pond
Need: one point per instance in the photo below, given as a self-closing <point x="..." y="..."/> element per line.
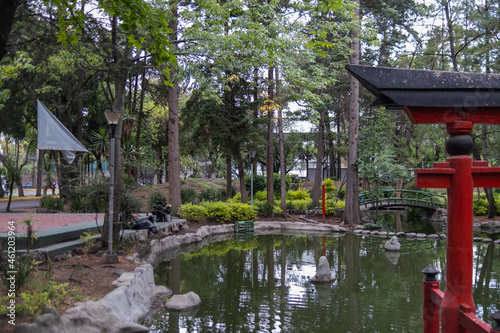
<point x="263" y="284"/>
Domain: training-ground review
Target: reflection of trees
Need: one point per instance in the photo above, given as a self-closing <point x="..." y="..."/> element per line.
<point x="352" y="274"/>
<point x="239" y="289"/>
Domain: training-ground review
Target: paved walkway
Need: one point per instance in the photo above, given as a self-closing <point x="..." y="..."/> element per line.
<point x="44" y="221"/>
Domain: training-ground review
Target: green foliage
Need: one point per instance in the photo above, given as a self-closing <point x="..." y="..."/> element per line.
<point x="329" y="188"/>
<point x="303" y="204"/>
<point x="260" y="196"/>
<point x="480" y="207"/>
<point x="188" y="195"/>
<point x="218" y="211"/>
<point x="88" y="239"/>
<point x="300" y="194"/>
<point x="193" y="213"/>
<point x="265" y="209"/>
<point x="211" y="194"/>
<point x="24" y="268"/>
<point x="341" y="193"/>
<point x="277" y="182"/>
<point x="91" y="198"/>
<point x="32" y="304"/>
<point x="236" y="198"/>
<point x="128" y="205"/>
<point x="154" y="197"/>
<point x="259" y="183"/>
<point x="333" y="208"/>
<point x="50" y="202"/>
<point x="242" y="212"/>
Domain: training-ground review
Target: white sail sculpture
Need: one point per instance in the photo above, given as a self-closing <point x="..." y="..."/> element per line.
<point x="53" y="135"/>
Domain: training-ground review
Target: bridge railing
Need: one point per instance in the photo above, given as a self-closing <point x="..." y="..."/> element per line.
<point x="409" y="197"/>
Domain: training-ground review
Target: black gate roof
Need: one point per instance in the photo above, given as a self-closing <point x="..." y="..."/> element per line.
<point x="395" y="88"/>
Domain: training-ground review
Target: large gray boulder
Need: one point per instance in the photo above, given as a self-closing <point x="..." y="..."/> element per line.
<point x="323" y="273"/>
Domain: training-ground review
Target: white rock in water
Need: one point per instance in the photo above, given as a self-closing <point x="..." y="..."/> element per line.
<point x="323" y="273"/>
<point x="183" y="302"/>
<point x="393" y="244"/>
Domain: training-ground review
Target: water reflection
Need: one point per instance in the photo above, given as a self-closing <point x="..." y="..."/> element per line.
<point x="264" y="285"/>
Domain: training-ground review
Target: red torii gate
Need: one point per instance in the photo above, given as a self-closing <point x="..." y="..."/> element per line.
<point x="458" y="100"/>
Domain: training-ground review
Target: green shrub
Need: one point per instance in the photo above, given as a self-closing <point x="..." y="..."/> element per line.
<point x="341" y="193"/>
<point x="210" y="194"/>
<point x="128" y="205"/>
<point x="218" y="211"/>
<point x="265" y="209"/>
<point x="154" y="197"/>
<point x="480" y="206"/>
<point x="277" y="183"/>
<point x="188" y="195"/>
<point x="236" y="198"/>
<point x="193" y="213"/>
<point x="260" y="196"/>
<point x="242" y="212"/>
<point x="300" y="194"/>
<point x="301" y="204"/>
<point x="32" y="304"/>
<point x="259" y="183"/>
<point x="24" y="268"/>
<point x="90" y="198"/>
<point x="49" y="202"/>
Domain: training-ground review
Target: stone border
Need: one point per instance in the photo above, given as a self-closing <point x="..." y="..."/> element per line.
<point x="118" y="311"/>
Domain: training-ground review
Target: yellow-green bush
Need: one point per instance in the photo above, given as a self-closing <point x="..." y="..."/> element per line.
<point x="193" y="213"/>
<point x="480" y="206"/>
<point x="300" y="194"/>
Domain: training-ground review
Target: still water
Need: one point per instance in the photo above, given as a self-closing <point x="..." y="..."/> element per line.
<point x="262" y="285"/>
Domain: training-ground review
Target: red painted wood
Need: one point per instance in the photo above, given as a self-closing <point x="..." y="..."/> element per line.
<point x="440" y="115"/>
<point x="430" y="314"/>
<point x="459" y="245"/>
<point x="468" y="320"/>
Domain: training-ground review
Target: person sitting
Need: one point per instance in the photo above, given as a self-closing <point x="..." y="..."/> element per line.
<point x="142" y="224"/>
<point x="158" y="211"/>
<point x="167" y="209"/>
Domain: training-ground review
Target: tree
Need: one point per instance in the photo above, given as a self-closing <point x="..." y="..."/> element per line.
<point x="351" y="213"/>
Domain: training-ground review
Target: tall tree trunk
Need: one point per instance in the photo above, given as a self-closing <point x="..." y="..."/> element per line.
<point x="140" y="119"/>
<point x="282" y="148"/>
<point x="351" y="212"/>
<point x="318" y="177"/>
<point x="270" y="142"/>
<point x="174" y="181"/>
<point x="228" y="177"/>
<point x="122" y="65"/>
<point x="451" y="34"/>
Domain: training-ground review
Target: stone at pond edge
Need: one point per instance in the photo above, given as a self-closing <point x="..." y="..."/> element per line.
<point x="323" y="273"/>
<point x="183" y="302"/>
<point x="393" y="244"/>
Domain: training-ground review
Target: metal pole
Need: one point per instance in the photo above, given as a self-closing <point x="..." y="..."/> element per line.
<point x="111" y="188"/>
<point x="251" y="181"/>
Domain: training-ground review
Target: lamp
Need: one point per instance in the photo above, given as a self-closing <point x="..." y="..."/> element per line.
<point x="113" y="117"/>
<point x="251" y="153"/>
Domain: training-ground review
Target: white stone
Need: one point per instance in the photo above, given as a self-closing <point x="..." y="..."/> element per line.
<point x="183" y="302"/>
<point x="393" y="244"/>
<point x="323" y="272"/>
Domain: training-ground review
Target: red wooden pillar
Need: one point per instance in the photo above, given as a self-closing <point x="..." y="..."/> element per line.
<point x="459" y="174"/>
<point x="460" y="243"/>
